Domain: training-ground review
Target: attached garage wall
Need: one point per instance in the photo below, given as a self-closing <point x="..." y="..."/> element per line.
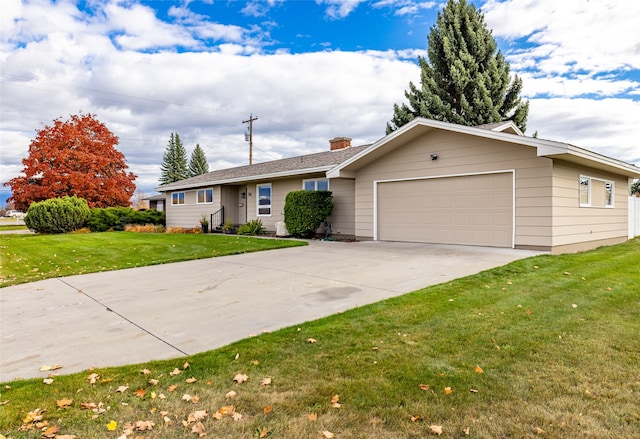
<point x="188" y="215"/>
<point x="469" y="210"/>
<point x="460" y="154"/>
<point x="578" y="228"/>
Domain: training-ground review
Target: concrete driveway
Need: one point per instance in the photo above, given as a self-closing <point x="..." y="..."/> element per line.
<point x="172" y="310"/>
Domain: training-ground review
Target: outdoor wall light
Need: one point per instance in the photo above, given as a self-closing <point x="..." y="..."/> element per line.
<point x="244" y="195"/>
<point x="434" y="156"/>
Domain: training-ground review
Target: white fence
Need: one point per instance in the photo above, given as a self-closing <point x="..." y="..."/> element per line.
<point x="634" y="217"/>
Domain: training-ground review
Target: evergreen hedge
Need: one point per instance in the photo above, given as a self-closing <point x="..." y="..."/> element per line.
<point x="304" y="211"/>
<point x="116" y="218"/>
<point x="58" y="215"/>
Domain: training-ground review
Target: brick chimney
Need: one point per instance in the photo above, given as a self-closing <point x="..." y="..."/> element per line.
<point x="339" y="143"/>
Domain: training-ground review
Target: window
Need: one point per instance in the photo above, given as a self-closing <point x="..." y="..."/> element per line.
<point x="595" y="192"/>
<point x="584" y="191"/>
<point x="264" y="199"/>
<point x="205" y="196"/>
<point x="177" y="198"/>
<point x="320" y="184"/>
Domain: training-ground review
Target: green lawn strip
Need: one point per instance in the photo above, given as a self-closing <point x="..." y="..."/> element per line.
<point x="27" y="258"/>
<point x="558" y="346"/>
<point x="9" y="227"/>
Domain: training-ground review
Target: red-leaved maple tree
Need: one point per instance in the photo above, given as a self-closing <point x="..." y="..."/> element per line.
<point x="74" y="157"/>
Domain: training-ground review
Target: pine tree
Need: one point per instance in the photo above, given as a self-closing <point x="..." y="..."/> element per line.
<point x="174" y="161"/>
<point x="198" y="163"/>
<point x="466" y="79"/>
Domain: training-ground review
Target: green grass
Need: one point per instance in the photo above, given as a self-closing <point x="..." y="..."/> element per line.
<point x="8" y="227"/>
<point x="557" y="338"/>
<point x="27" y="258"/>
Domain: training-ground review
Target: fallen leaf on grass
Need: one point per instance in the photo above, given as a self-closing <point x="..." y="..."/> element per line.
<point x="144" y="425"/>
<point x="478" y="369"/>
<point x="186" y="366"/>
<point x="466" y="431"/>
<point x="64" y="403"/>
<point x="312" y="417"/>
<point x="93" y="378"/>
<point x="240" y="378"/>
<point x="190" y="380"/>
<point x="48" y="381"/>
<point x="175" y="372"/>
<point x="415" y="418"/>
<point x="436" y="429"/>
<point x="140" y="393"/>
<point x="311" y="340"/>
<point x="51" y="432"/>
<point x="66" y="436"/>
<point x="539" y="430"/>
<point x="327" y="434"/>
<point x="112" y="425"/>
<point x="154" y="382"/>
<point x="172" y="387"/>
<point x="230" y="394"/>
<point x="334" y="401"/>
<point x="145" y="372"/>
<point x="267" y="409"/>
<point x="122" y="389"/>
<point x="424" y="387"/>
<point x="265" y="381"/>
<point x="45" y="368"/>
<point x="199" y="430"/>
<point x="88" y="405"/>
<point x="264" y="432"/>
<point x="448" y="390"/>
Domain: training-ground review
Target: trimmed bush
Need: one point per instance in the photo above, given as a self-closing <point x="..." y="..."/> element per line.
<point x="58" y="215"/>
<point x="253" y="227"/>
<point x="117" y="218"/>
<point x="304" y="211"/>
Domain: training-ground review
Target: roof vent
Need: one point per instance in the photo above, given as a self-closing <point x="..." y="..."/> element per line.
<point x="339" y="143"/>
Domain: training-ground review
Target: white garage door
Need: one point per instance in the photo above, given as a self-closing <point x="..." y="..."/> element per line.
<point x="468" y="210"/>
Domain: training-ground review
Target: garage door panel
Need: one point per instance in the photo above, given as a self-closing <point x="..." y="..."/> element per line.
<point x="471" y="210"/>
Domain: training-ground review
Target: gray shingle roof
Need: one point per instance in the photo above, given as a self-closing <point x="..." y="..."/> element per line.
<point x="289" y="166"/>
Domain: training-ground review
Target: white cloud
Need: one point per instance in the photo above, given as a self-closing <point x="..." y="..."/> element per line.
<point x="594" y="36"/>
<point x="338" y="9"/>
<point x="607" y="126"/>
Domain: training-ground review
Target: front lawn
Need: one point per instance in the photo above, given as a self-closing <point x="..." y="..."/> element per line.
<point x="546" y="347"/>
<point x="27" y="258"/>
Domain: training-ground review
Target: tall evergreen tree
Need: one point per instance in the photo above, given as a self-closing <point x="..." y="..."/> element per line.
<point x="198" y="163"/>
<point x="466" y="79"/>
<point x="174" y="161"/>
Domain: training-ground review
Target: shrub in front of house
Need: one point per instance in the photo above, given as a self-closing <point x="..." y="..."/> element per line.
<point x="305" y="211"/>
<point x="117" y="218"/>
<point x="253" y="227"/>
<point x="58" y="215"/>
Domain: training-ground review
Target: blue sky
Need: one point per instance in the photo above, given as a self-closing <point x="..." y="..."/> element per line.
<point x="310" y="71"/>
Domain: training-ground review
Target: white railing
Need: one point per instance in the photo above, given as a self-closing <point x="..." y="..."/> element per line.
<point x="634" y="217"/>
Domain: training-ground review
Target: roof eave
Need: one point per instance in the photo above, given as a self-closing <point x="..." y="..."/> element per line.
<point x="247" y="179"/>
<point x="544" y="148"/>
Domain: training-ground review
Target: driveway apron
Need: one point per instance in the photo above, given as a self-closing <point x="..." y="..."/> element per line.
<point x="173" y="310"/>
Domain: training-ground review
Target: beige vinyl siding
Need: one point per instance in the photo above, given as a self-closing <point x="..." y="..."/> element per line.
<point x="463" y="154"/>
<point x="188" y="215"/>
<point x="573" y="224"/>
<point x="343" y="218"/>
<point x="342" y="222"/>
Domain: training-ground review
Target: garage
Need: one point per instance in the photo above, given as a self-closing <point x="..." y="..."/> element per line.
<point x="466" y="210"/>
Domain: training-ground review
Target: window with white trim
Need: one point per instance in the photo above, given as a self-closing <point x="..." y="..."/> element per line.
<point x="596" y="192"/>
<point x="318" y="184"/>
<point x="177" y="198"/>
<point x="204" y="196"/>
<point x="264" y="199"/>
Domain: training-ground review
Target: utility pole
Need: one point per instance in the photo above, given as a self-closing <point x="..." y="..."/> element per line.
<point x="250" y="139"/>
